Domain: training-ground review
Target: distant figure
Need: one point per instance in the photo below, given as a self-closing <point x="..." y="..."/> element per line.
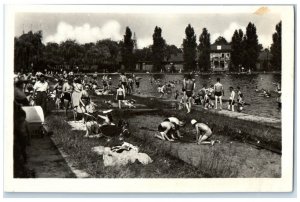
<point x="176" y="94"/>
<point x="206" y="101"/>
<point x="184" y="102"/>
<point x="231" y="99"/>
<point x="161" y="90"/>
<point x="241" y="103"/>
<point x="239" y="93"/>
<point x="189" y="90"/>
<point x="202" y="128"/>
<point x="41" y="89"/>
<point x="67" y="91"/>
<point x="123" y="80"/>
<point x="219" y="91"/>
<point x="76" y="96"/>
<point x="95" y="75"/>
<point x="120" y="95"/>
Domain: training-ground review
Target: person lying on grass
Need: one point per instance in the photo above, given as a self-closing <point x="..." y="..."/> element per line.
<point x="202" y="128"/>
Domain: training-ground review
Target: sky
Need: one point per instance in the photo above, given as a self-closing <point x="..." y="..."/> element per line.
<point x="90" y="27"/>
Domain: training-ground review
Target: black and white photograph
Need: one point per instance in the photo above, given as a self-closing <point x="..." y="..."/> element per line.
<point x="173" y="95"/>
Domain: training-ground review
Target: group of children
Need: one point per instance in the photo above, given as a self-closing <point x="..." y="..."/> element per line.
<point x="169" y="130"/>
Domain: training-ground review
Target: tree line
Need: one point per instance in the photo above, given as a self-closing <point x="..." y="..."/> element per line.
<point x="30" y="54"/>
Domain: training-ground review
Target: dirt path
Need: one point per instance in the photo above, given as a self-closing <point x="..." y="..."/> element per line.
<point x="46" y="160"/>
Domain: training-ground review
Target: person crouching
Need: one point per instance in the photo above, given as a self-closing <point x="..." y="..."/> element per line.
<point x="202" y="128"/>
<point x="165" y="129"/>
<point x="177" y="123"/>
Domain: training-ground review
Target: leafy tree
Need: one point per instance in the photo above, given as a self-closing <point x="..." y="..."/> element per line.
<point x="221" y="41"/>
<point x="237" y="50"/>
<point x="127" y="50"/>
<point x="28" y="51"/>
<point x="171" y="50"/>
<point x="72" y="53"/>
<point x="204" y="50"/>
<point x="52" y="54"/>
<point x="252" y="47"/>
<point x="144" y="54"/>
<point x="189" y="49"/>
<point x="158" y="49"/>
<point x="276" y="48"/>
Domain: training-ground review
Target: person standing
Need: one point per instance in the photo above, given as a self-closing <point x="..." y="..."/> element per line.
<point x="41" y="89"/>
<point x="123" y="80"/>
<point x="189" y="90"/>
<point x="219" y="91"/>
<point x="76" y="96"/>
<point x="120" y="96"/>
<point x="231" y="99"/>
<point x="19" y="95"/>
<point x="67" y="91"/>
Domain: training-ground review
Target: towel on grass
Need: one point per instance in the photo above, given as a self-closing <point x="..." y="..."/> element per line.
<point x="111" y="158"/>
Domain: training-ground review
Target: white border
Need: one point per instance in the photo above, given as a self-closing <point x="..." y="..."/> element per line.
<point x="283" y="184"/>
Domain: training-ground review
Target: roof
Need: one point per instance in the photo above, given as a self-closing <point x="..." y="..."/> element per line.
<point x="220" y="48"/>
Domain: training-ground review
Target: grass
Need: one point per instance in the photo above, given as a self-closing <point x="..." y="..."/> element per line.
<point x="79" y="150"/>
<point x="215" y="163"/>
<point x="239" y="130"/>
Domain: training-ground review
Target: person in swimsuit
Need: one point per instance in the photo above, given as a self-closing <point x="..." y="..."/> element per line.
<point x="165" y="129"/>
<point x="231" y="99"/>
<point x="123" y="80"/>
<point x="176" y="94"/>
<point x="219" y="91"/>
<point x="161" y="90"/>
<point x="189" y="90"/>
<point x="58" y="93"/>
<point x="177" y="123"/>
<point x="67" y="91"/>
<point x="120" y="95"/>
<point x="239" y="93"/>
<point x="202" y="128"/>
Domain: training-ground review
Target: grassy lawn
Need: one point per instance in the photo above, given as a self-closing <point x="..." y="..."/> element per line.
<point x="79" y="150"/>
<point x="164" y="165"/>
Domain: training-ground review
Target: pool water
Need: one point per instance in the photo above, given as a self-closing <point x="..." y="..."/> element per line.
<point x="259" y="105"/>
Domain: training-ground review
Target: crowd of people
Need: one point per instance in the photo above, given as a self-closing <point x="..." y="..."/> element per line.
<point x="71" y="92"/>
<point x="208" y="97"/>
